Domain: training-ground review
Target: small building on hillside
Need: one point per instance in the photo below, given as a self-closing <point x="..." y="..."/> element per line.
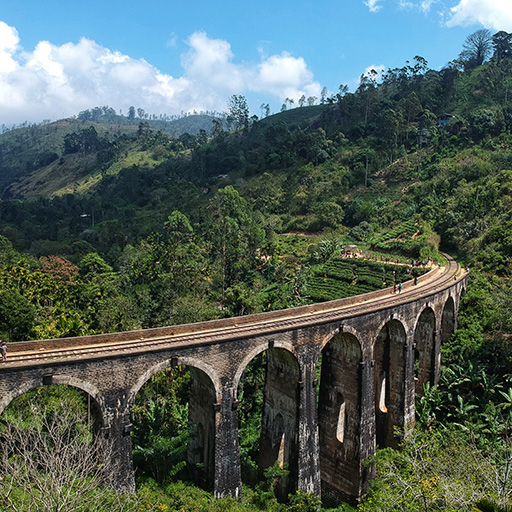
<point x="443" y="120"/>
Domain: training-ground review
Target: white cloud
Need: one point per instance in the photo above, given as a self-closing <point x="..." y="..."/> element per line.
<point x="493" y="14"/>
<point x="423" y="5"/>
<point x="284" y="73"/>
<point x="379" y="69"/>
<point x="173" y="40"/>
<point x="427" y="4"/>
<point x="52" y="81"/>
<point x="9" y="41"/>
<point x="373" y="5"/>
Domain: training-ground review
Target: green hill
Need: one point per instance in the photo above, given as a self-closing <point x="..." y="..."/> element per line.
<point x="416" y="149"/>
<point x="302" y="117"/>
<point x="110" y="226"/>
<point x="28" y="155"/>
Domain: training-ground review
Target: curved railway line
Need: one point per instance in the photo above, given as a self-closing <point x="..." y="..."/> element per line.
<point x="31" y="353"/>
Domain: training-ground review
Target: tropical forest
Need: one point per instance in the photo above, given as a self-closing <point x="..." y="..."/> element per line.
<point x="111" y="223"/>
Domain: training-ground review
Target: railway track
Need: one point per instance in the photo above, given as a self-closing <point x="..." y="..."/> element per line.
<point x="111" y="345"/>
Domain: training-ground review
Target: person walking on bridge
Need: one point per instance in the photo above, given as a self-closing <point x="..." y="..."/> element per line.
<point x="3" y="350"/>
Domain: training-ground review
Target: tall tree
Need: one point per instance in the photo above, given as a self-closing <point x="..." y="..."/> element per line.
<point x="368" y="92"/>
<point x="178" y="227"/>
<point x="476" y="48"/>
<point x="502" y="44"/>
<point x="265" y="110"/>
<point x="323" y="95"/>
<point x="235" y="234"/>
<point x="238" y="112"/>
<point x="49" y="462"/>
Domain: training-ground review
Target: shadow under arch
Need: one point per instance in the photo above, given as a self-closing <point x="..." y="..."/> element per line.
<point x="339" y="416"/>
<point x="448" y="319"/>
<point x="252" y="354"/>
<point x="389" y="356"/>
<point x="424" y="350"/>
<point x="202" y="393"/>
<point x="279" y="413"/>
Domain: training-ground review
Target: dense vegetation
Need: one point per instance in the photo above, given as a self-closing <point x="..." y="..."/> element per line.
<point x="109" y="231"/>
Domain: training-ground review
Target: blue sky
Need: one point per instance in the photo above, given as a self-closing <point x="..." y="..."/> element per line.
<point x="57" y="58"/>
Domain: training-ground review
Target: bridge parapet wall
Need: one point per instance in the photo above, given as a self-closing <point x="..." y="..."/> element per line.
<point x="113" y="378"/>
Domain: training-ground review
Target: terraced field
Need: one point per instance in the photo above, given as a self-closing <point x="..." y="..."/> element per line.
<point x="341" y="277"/>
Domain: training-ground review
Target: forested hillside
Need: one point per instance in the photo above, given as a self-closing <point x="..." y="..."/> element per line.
<point x="28" y="151"/>
<point x="114" y="228"/>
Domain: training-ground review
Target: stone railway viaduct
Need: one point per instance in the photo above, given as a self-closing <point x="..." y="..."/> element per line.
<point x="376" y="351"/>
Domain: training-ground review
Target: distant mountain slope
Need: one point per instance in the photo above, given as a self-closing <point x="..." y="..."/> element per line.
<point x="34" y="161"/>
<point x="176" y="125"/>
<point x="192" y="124"/>
<point x="25" y="150"/>
<point x="31" y="157"/>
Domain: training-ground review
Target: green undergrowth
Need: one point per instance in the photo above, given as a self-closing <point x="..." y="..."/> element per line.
<point x="182" y="496"/>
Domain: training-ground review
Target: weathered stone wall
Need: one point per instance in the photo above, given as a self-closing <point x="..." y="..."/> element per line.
<point x="339" y="411"/>
<point x="279" y="439"/>
<point x="327" y="444"/>
<point x="201" y="410"/>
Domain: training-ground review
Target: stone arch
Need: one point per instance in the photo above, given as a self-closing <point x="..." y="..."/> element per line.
<point x="251" y="354"/>
<point x="15" y="393"/>
<point x="169" y="363"/>
<point x="84" y="386"/>
<point x="205" y="392"/>
<point x="344" y="329"/>
<point x="395" y="319"/>
<point x="339" y="415"/>
<point x="389" y="356"/>
<point x="424" y="349"/>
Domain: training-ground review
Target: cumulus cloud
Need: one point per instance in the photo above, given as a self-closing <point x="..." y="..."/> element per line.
<point x="9" y="41"/>
<point x="373" y="5"/>
<point x="493" y="14"/>
<point x="284" y="73"/>
<point x="56" y="81"/>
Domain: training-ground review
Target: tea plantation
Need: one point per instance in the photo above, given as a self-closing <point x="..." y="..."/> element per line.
<point x="341" y="277"/>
